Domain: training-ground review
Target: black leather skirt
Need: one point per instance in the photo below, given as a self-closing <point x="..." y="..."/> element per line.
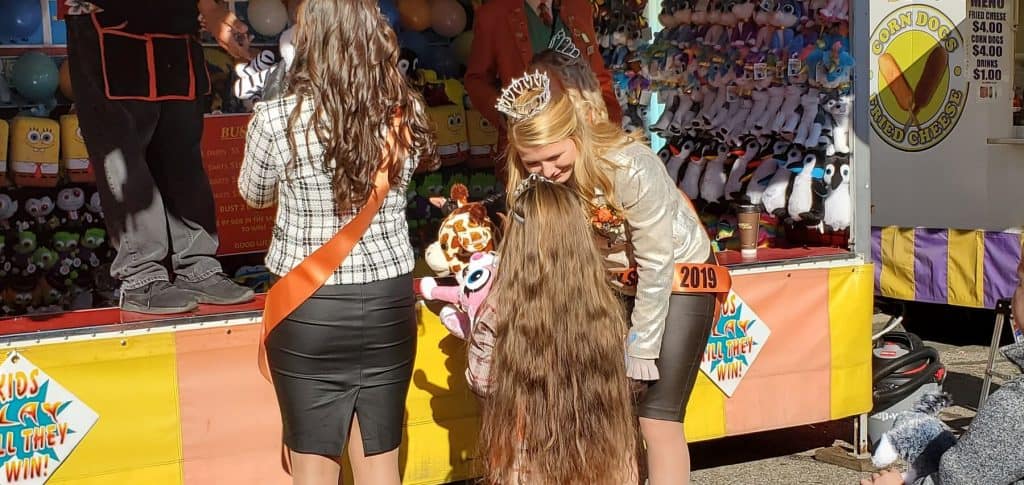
<point x="348" y="350"/>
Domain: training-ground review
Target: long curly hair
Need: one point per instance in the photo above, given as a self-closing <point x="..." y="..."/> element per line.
<point x="346" y="64"/>
<point x="560" y="410"/>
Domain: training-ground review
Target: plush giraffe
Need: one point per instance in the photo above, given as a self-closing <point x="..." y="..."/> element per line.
<point x="466" y="230"/>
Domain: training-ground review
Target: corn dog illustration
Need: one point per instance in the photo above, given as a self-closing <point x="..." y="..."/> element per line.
<point x="934" y="70"/>
<point x="896" y="82"/>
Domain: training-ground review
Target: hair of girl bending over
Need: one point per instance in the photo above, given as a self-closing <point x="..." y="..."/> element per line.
<point x="558" y="121"/>
<point x="573" y="76"/>
<point x="560" y="410"/>
<point x="346" y="64"/>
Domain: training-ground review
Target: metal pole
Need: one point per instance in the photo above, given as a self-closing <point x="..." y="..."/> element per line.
<point x="860" y="161"/>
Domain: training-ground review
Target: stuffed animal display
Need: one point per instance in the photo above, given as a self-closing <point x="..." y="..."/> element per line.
<point x="757" y="98"/>
<point x="54" y="254"/>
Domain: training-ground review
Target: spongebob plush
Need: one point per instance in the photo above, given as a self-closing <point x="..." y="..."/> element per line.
<point x="74" y="158"/>
<point x="483" y="137"/>
<point x="3" y="154"/>
<point x="447" y="117"/>
<point x="34" y="153"/>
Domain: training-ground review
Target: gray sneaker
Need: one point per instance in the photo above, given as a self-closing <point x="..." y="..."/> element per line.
<point x="158" y="298"/>
<point x="216" y="290"/>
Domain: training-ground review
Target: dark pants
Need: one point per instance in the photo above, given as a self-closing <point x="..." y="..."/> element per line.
<point x="155" y="193"/>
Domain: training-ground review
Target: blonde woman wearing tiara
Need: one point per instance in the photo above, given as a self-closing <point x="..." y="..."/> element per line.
<point x="643" y="223"/>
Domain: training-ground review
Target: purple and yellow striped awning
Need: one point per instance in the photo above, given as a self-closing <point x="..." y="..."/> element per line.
<point x="956" y="267"/>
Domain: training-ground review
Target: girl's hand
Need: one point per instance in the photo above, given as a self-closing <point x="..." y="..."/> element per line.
<point x="890" y="477"/>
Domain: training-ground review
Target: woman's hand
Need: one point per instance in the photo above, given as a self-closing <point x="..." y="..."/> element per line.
<point x="890" y="477"/>
<point x="231" y="33"/>
<point x="641" y="369"/>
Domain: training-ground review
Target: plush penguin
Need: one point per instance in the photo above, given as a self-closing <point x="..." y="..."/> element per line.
<point x="691" y="176"/>
<point x="766" y="156"/>
<point x="801" y="204"/>
<point x="838" y="205"/>
<point x="712" y="184"/>
<point x="917" y="436"/>
<point x="676" y="162"/>
<point x="774" y="198"/>
<point x="839" y="108"/>
<point x="774" y="158"/>
<point x="751" y="149"/>
<point x="661" y="127"/>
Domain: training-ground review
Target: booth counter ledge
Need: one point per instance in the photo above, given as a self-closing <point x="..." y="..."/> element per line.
<point x="1005" y="141"/>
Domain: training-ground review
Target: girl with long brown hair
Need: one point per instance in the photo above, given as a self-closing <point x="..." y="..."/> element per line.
<point x="557" y="408"/>
<point x="341" y="362"/>
<point x="644" y="227"/>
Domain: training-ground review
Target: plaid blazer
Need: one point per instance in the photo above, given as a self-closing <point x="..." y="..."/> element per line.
<point x="306" y="214"/>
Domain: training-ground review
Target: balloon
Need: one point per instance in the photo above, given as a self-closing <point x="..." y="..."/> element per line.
<point x="22" y="19"/>
<point x="442" y="60"/>
<point x="65" y="81"/>
<point x="35" y="76"/>
<point x="415" y="42"/>
<point x="267" y="17"/>
<point x="462" y="45"/>
<point x="414" y="14"/>
<point x="390" y="11"/>
<point x="447" y="17"/>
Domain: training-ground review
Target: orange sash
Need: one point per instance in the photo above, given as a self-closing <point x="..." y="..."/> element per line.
<point x="688" y="278"/>
<point x="294" y="288"/>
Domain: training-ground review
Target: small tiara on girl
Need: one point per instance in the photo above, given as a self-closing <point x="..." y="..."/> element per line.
<point x="528" y="182"/>
<point x="564" y="45"/>
<point x="535" y="89"/>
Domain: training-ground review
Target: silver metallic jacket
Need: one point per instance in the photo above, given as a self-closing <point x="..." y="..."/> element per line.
<point x="661" y="229"/>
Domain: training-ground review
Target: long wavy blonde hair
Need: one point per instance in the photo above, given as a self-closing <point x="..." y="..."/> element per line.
<point x="566" y="118"/>
<point x="560" y="410"/>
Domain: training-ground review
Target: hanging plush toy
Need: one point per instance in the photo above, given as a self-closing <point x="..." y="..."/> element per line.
<point x="776" y="95"/>
<point x="838" y="205"/>
<point x="808" y="112"/>
<point x="751" y="148"/>
<point x="712" y="184"/>
<point x="464" y="301"/>
<point x="8" y="208"/>
<point x="805" y="200"/>
<point x="917" y="436"/>
<point x="835" y="10"/>
<point x="690" y="183"/>
<point x="70" y="203"/>
<point x="745" y="32"/>
<point x="788" y="14"/>
<point x="680" y="155"/>
<point x="839" y="108"/>
<point x="787" y="112"/>
<point x="774" y="198"/>
<point x="765" y="171"/>
<point x="466" y="230"/>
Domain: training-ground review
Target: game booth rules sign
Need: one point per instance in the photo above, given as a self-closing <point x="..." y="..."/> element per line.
<point x="41" y="422"/>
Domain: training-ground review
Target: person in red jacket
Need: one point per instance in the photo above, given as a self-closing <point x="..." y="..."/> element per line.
<point x="506" y="35"/>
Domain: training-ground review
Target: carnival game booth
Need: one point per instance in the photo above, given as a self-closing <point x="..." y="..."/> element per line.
<point x="90" y="394"/>
<point x="947" y="170"/>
